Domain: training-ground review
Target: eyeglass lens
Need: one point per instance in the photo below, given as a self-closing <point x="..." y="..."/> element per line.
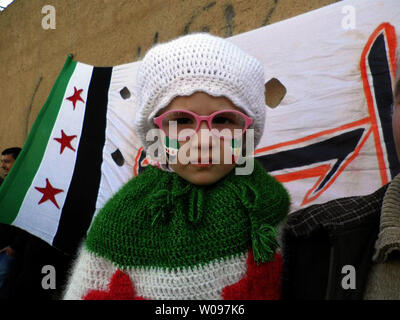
<point x="224" y="123"/>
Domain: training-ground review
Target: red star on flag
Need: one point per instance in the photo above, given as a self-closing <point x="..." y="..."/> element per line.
<point x="65" y="141"/>
<point x="49" y="193"/>
<point x="76" y="96"/>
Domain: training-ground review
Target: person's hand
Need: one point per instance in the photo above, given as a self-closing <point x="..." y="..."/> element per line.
<point x="9" y="251"/>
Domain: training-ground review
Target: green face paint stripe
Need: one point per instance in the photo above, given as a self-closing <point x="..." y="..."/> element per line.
<point x="171" y="143"/>
<point x="236" y="143"/>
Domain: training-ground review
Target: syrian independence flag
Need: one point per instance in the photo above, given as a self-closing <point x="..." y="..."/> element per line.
<point x="72" y="160"/>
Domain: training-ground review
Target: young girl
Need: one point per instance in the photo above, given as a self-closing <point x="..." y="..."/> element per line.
<point x="195" y="229"/>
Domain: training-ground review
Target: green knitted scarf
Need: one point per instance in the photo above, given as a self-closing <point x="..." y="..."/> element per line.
<point x="158" y="219"/>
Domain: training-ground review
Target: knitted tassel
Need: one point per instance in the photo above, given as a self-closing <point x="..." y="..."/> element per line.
<point x="162" y="204"/>
<point x="160" y="207"/>
<point x="196" y="205"/>
<point x="264" y="217"/>
<point x="264" y="243"/>
<point x="249" y="196"/>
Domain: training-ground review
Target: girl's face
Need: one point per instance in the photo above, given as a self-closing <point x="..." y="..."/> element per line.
<point x="203" y="146"/>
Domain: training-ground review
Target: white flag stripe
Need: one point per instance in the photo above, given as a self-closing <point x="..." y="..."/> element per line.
<point x="57" y="168"/>
<point x="120" y="134"/>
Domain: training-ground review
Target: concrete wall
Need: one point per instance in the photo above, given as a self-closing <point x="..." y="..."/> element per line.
<point x="106" y="33"/>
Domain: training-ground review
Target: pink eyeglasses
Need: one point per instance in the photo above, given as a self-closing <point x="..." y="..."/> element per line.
<point x="223" y="124"/>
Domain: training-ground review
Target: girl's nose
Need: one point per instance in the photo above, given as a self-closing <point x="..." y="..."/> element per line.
<point x="204" y="133"/>
<point x="205" y="137"/>
<point x="203" y="125"/>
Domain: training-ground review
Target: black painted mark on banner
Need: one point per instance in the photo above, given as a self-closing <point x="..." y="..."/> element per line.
<point x="337" y="148"/>
<point x="380" y="71"/>
<point x="142" y="158"/>
<point x="125" y="93"/>
<point x="118" y="157"/>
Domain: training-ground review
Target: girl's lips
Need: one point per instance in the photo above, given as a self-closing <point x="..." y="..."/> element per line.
<point x="202" y="165"/>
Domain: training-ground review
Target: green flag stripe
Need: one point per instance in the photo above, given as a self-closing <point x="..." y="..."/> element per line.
<point x="20" y="178"/>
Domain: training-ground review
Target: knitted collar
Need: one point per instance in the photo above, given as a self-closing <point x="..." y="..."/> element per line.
<point x="389" y="234"/>
<point x="159" y="219"/>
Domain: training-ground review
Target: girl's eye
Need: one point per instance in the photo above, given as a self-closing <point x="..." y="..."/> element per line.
<point x="183" y="120"/>
<point x="177" y="116"/>
<point x="222" y="120"/>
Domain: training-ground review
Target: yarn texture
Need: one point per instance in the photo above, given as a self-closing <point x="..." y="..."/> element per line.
<point x="191" y="241"/>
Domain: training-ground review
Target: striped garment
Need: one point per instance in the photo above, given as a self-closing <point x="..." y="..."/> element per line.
<point x="161" y="237"/>
<point x="235" y="278"/>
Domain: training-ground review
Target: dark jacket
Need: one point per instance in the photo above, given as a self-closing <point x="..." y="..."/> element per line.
<point x="318" y="241"/>
<point x="12" y="236"/>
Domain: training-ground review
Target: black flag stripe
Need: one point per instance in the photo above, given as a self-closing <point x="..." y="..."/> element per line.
<point x="80" y="203"/>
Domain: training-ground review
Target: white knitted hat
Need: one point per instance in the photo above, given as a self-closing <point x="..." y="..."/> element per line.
<point x="193" y="63"/>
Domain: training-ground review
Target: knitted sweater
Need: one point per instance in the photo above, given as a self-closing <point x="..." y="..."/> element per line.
<point x="383" y="279"/>
<point x="161" y="237"/>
